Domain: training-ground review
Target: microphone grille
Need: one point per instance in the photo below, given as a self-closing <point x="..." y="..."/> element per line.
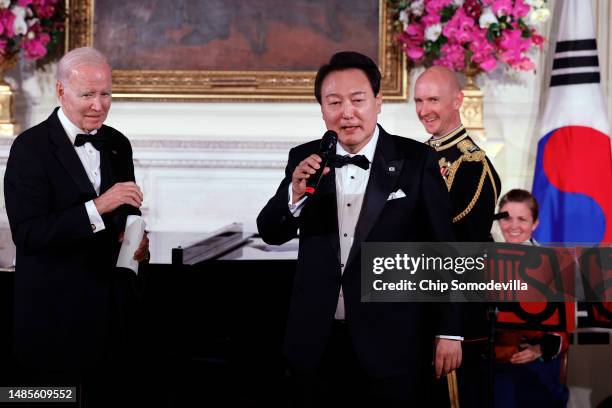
<point x="328" y="142"/>
<point x="331" y="134"/>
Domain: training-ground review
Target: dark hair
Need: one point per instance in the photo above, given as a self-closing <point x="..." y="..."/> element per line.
<point x="518" y="195"/>
<point x="347" y="60"/>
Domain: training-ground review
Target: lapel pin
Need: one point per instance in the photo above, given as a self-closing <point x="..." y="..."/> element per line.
<point x="114" y="151"/>
<point x="392" y="168"/>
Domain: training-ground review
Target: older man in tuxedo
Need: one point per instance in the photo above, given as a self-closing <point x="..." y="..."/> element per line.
<point x="69" y="186"/>
<point x="385" y="188"/>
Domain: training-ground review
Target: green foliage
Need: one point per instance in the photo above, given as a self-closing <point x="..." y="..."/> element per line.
<point x="447" y="13"/>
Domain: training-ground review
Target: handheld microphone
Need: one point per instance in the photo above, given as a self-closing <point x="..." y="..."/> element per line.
<point x="326" y="150"/>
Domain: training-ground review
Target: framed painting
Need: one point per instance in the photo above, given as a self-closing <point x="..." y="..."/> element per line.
<point x="231" y="49"/>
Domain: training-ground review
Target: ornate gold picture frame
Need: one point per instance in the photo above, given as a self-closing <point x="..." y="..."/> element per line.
<point x="175" y="75"/>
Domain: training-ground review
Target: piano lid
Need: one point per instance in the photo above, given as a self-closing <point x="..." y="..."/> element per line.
<point x="227" y="243"/>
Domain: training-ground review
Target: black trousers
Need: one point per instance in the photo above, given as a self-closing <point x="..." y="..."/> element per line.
<point x="341" y="381"/>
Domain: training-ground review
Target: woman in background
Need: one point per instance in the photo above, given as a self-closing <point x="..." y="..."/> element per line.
<point x="528" y="372"/>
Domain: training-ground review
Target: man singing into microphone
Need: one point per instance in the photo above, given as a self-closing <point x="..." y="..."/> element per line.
<point x="377" y="188"/>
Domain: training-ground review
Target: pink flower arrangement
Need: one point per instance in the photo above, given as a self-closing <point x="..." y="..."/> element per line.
<point x="30" y="26"/>
<point x="474" y="34"/>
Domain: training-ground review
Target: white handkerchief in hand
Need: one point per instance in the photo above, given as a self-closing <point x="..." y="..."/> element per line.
<point x="396" y="194"/>
<point x="134" y="232"/>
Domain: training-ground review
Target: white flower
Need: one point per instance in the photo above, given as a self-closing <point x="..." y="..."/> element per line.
<point x="5" y="3"/>
<point x="19" y="25"/>
<point x="403" y="17"/>
<point x="417" y="7"/>
<point x="433" y="32"/>
<point x="535" y="3"/>
<point x="539" y="15"/>
<point x="487" y="18"/>
<point x="32" y="21"/>
<point x="458" y="3"/>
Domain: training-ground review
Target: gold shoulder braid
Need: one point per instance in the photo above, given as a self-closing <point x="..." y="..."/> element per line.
<point x="490" y="173"/>
<point x="471" y="153"/>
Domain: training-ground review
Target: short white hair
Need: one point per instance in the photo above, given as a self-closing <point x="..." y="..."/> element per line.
<point x="79" y="57"/>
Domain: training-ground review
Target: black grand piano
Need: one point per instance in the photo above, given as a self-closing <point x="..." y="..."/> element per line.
<point x="214" y="313"/>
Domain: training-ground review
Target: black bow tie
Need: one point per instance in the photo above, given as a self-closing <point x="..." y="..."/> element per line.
<point x="98" y="141"/>
<point x="359" y="160"/>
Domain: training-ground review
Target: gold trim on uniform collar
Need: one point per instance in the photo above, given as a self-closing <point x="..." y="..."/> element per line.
<point x="438" y="144"/>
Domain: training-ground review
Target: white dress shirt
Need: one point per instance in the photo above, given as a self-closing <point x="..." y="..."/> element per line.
<point x="90" y="158"/>
<point x="351" y="183"/>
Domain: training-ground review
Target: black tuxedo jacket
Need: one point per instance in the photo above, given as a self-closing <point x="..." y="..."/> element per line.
<point x="389" y="338"/>
<point x="69" y="297"/>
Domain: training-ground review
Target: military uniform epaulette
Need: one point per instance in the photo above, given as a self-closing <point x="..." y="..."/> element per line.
<point x="457" y="149"/>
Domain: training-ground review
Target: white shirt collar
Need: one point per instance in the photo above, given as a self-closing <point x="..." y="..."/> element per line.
<point x="367" y="150"/>
<point x="71" y="129"/>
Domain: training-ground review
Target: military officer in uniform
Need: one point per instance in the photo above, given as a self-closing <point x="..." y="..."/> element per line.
<point x="470" y="177"/>
<point x="474" y="187"/>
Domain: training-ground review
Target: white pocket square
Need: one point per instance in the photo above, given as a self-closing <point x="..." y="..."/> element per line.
<point x="396" y="194"/>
